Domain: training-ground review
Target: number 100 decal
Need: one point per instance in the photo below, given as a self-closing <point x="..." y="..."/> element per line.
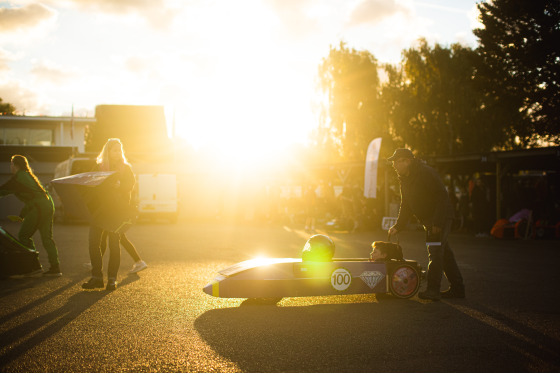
<point x="341" y="279"/>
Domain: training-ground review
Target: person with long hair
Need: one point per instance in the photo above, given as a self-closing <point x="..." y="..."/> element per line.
<point x="111" y="158"/>
<point x="38" y="210"/>
<point x="104" y="164"/>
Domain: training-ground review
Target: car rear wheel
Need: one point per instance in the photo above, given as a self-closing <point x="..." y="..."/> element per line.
<point x="404" y="281"/>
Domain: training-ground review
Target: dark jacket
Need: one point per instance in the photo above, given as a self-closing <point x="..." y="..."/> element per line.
<point x="126" y="180"/>
<point x="424" y="196"/>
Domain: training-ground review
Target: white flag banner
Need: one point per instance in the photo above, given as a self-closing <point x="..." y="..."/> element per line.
<point x="372" y="161"/>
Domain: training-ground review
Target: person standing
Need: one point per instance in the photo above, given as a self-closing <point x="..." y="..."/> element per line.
<point x="111" y="158"/>
<point x="37" y="213"/>
<point x="480" y="204"/>
<point x="138" y="265"/>
<point x="424" y="196"/>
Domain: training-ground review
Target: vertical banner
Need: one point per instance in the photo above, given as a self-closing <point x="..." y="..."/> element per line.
<point x="372" y="160"/>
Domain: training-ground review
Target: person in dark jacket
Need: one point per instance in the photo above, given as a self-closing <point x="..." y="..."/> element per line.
<point x="111" y="158"/>
<point x="423" y="195"/>
<point x="37" y="213"/>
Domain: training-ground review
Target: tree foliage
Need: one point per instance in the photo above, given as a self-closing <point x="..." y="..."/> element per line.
<point x="521" y="65"/>
<point x="431" y="102"/>
<point x="6" y="109"/>
<point x="505" y="94"/>
<point x="349" y="78"/>
<point x="434" y="103"/>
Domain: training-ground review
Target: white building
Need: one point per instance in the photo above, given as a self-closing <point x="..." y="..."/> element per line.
<point x="44" y="131"/>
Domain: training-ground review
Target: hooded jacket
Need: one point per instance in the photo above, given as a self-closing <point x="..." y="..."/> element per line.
<point x="423" y="195"/>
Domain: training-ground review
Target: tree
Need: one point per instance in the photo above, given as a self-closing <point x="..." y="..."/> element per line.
<point x="6" y="109"/>
<point x="521" y="65"/>
<point x="350" y="80"/>
<point x="434" y="104"/>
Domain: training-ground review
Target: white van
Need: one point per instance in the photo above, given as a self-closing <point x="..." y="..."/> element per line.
<point x="157" y="196"/>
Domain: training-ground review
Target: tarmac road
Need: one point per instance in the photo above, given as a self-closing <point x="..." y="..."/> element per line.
<point x="161" y="321"/>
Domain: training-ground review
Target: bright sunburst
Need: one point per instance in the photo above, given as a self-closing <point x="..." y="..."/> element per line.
<point x="250" y="100"/>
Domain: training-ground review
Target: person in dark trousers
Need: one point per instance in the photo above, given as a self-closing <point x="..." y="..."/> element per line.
<point x="424" y="196"/>
<point x="138" y="265"/>
<point x="111" y="158"/>
<point x="37" y="213"/>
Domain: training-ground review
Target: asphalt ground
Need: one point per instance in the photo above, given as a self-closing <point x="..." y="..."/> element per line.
<point x="161" y="321"/>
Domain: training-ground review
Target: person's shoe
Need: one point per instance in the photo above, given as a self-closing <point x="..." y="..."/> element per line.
<point x="54" y="271"/>
<point x="429" y="295"/>
<point x="453" y="293"/>
<point x="93" y="283"/>
<point x="87" y="265"/>
<point x="111" y="284"/>
<point x="138" y="266"/>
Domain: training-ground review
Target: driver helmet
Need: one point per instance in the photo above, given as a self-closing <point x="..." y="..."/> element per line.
<point x="318" y="248"/>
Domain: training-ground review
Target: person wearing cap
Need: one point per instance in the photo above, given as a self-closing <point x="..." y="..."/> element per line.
<point x="423" y="195"/>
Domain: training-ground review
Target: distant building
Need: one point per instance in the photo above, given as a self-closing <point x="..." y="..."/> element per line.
<point x="44" y="131"/>
<point x="141" y="128"/>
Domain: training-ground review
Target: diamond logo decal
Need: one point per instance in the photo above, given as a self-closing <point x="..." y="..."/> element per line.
<point x="372" y="278"/>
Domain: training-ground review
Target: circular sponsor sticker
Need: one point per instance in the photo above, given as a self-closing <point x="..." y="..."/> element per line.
<point x="341" y="279"/>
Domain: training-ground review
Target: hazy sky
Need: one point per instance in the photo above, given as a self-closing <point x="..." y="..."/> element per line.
<point x="224" y="68"/>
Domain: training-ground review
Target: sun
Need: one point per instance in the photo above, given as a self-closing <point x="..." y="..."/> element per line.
<point x="249" y="114"/>
<point x="249" y="97"/>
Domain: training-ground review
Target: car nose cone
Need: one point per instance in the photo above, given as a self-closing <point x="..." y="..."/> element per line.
<point x="212" y="288"/>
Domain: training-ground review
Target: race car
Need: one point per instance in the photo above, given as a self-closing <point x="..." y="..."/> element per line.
<point x="315" y="274"/>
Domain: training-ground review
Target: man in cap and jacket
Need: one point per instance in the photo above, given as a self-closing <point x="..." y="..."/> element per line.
<point x="423" y="195"/>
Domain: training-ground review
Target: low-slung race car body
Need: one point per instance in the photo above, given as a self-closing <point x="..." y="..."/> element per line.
<point x="292" y="277"/>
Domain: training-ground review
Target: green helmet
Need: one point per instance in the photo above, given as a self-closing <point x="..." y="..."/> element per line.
<point x="318" y="248"/>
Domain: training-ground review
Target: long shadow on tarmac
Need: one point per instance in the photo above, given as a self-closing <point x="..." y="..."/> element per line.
<point x="25" y="336"/>
<point x="13" y="286"/>
<point x="525" y="339"/>
<point x="389" y="336"/>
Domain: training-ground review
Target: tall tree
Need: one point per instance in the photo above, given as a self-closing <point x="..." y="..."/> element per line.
<point x="521" y="55"/>
<point x="434" y="103"/>
<point x="349" y="79"/>
<point x="6" y="109"/>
